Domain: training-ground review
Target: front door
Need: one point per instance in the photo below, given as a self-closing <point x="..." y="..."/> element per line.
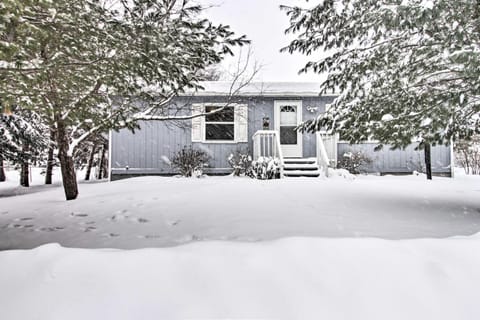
<point x="288" y="115"/>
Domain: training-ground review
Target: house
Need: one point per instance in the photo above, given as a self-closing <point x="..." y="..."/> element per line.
<point x="258" y="119"/>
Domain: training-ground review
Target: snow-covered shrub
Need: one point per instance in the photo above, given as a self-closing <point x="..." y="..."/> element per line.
<point x="266" y="168"/>
<point x="354" y="162"/>
<point x="467" y="154"/>
<point x="190" y="162"/>
<point x="241" y="162"/>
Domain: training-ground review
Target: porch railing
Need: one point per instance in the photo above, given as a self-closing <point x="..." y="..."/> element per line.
<point x="326" y="151"/>
<point x="266" y="143"/>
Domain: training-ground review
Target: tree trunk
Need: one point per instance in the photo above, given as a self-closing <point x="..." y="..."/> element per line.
<point x="90" y="163"/>
<point x="2" y="171"/>
<point x="67" y="166"/>
<point x="24" y="177"/>
<point x="105" y="166"/>
<point x="102" y="163"/>
<point x="428" y="160"/>
<point x="105" y="162"/>
<point x="50" y="160"/>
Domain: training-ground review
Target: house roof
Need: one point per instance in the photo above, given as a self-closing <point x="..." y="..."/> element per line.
<point x="295" y="89"/>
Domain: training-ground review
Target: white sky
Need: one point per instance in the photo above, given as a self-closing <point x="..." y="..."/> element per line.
<point x="264" y="24"/>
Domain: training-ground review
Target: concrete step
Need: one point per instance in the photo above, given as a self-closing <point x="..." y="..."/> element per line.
<point x="300" y="160"/>
<point x="301" y="173"/>
<point x="301" y="166"/>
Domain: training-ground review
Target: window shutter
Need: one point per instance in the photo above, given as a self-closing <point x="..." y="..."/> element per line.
<point x="241" y="123"/>
<point x="197" y="123"/>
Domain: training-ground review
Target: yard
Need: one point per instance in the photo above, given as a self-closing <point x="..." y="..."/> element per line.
<point x="162" y="212"/>
<point x="238" y="248"/>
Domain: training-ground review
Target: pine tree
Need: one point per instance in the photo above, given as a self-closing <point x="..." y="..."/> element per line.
<point x="404" y="70"/>
<point x="22" y="140"/>
<point x="85" y="67"/>
<point x="50" y="157"/>
<point x="86" y="153"/>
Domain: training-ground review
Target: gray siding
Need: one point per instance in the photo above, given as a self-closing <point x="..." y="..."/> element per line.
<point x="399" y="161"/>
<point x="145" y="151"/>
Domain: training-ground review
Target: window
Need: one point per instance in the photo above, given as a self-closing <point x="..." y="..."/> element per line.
<point x="288" y="123"/>
<point x="228" y="125"/>
<point x="220" y="126"/>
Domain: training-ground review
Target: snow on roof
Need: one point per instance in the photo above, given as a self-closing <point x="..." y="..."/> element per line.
<point x="220" y="88"/>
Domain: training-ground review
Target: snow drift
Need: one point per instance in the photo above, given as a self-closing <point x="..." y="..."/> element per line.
<point x="295" y="278"/>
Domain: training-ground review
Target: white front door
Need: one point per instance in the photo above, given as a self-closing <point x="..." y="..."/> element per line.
<point x="288" y="115"/>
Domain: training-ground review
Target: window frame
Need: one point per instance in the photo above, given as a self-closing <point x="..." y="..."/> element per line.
<point x="241" y="123"/>
<point x="206" y="122"/>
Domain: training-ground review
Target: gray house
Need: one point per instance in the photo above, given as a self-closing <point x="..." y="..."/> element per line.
<point x="258" y="119"/>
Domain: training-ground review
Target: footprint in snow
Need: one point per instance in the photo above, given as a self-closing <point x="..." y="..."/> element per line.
<point x="110" y="235"/>
<point x="150" y="236"/>
<point x="49" y="229"/>
<point x="118" y="217"/>
<point x="23" y="219"/>
<point x="89" y="229"/>
<point x="172" y="223"/>
<point x="87" y="222"/>
<point x="5" y="212"/>
<point x="15" y="225"/>
<point x="79" y="215"/>
<point x="125" y="217"/>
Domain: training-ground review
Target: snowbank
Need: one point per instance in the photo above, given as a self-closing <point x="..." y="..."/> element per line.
<point x="165" y="211"/>
<point x="296" y="278"/>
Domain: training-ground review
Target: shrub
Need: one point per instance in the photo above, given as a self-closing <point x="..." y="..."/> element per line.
<point x="354" y="162"/>
<point x="266" y="168"/>
<point x="241" y="162"/>
<point x="190" y="162"/>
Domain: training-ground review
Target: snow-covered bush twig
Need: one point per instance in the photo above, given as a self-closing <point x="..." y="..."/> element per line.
<point x="467" y="154"/>
<point x="190" y="162"/>
<point x="354" y="162"/>
<point x="266" y="168"/>
<point x="241" y="163"/>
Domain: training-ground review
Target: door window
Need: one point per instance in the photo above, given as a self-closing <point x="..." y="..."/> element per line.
<point x="288" y="123"/>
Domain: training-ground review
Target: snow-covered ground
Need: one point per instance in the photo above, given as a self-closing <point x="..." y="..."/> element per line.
<point x="296" y="278"/>
<point x="283" y="258"/>
<point x="159" y="211"/>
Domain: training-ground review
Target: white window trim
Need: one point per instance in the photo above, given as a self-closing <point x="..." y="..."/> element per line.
<point x="236" y="139"/>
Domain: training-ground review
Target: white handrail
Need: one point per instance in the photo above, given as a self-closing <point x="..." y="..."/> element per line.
<point x="279" y="152"/>
<point x="266" y="143"/>
<point x="322" y="157"/>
